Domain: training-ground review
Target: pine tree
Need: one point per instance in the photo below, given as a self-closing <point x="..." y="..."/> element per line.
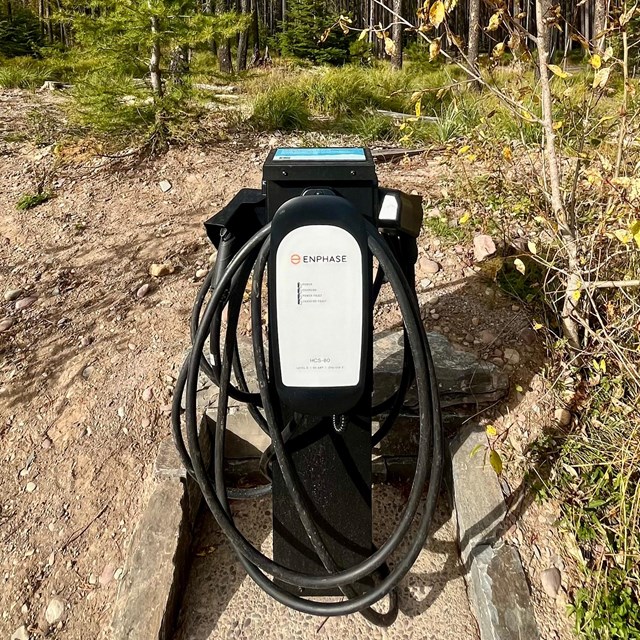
<point x="302" y="34"/>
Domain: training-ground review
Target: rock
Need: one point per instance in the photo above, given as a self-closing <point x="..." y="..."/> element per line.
<point x="106" y="577"/>
<point x="118" y="573"/>
<point x="25" y="303"/>
<point x="201" y="273"/>
<point x="121" y="412"/>
<point x="563" y="417"/>
<point x="511" y="356"/>
<point x="46" y="443"/>
<point x="84" y="341"/>
<point x="428" y="266"/>
<point x="143" y="290"/>
<point x="551" y="580"/>
<point x="435" y="316"/>
<point x="164" y="185"/>
<point x="528" y="336"/>
<point x="31" y="487"/>
<point x="475" y="321"/>
<point x="20" y="633"/>
<point x="87" y="372"/>
<point x="499" y="594"/>
<point x="54" y="612"/>
<point x="6" y="323"/>
<point x="158" y="270"/>
<point x="483" y="247"/>
<point x="12" y="294"/>
<point x="462" y="378"/>
<point x="487" y="336"/>
<point x="147" y="394"/>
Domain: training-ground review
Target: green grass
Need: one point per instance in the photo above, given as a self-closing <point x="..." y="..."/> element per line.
<point x="281" y="108"/>
<point x="23" y="73"/>
<point x="31" y="200"/>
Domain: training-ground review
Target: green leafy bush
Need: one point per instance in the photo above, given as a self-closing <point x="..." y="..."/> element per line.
<point x="20" y="35"/>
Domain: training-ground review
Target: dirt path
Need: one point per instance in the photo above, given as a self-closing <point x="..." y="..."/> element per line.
<point x="88" y="364"/>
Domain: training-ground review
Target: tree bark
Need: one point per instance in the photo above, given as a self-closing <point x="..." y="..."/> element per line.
<point x="599" y="25"/>
<point x="255" y="30"/>
<point x="224" y="48"/>
<point x="243" y="39"/>
<point x="565" y="226"/>
<point x="474" y="36"/>
<point x="154" y="60"/>
<point x="396" y="33"/>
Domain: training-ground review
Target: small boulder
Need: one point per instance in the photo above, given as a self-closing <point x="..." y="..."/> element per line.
<point x="6" y="323"/>
<point x="164" y="185"/>
<point x="158" y="270"/>
<point x="12" y="294"/>
<point x="483" y="247"/>
<point x="562" y="416"/>
<point x="25" y="303"/>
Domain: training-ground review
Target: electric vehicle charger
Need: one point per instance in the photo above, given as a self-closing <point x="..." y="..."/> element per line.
<point x="319" y="208"/>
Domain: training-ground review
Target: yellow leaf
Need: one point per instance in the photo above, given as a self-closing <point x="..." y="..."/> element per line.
<point x="595" y="61"/>
<point x="450" y="5"/>
<point x="507" y="155"/>
<point x="576" y="295"/>
<point x="418" y="108"/>
<point x="476" y="449"/>
<point x="434" y="49"/>
<point x="472" y="157"/>
<point x="363" y="34"/>
<point x="532" y="247"/>
<point x="494" y="21"/>
<point x="601" y="77"/>
<point x="558" y="71"/>
<point x="495" y="461"/>
<point x="464" y="149"/>
<point x="498" y="50"/>
<point x="491" y="431"/>
<point x="623" y="235"/>
<point x="519" y="265"/>
<point x="634" y="228"/>
<point x="537" y="326"/>
<point x="557" y="125"/>
<point x="436" y="13"/>
<point x="389" y="46"/>
<point x="528" y="116"/>
<point x="465" y="218"/>
<point x="519" y="389"/>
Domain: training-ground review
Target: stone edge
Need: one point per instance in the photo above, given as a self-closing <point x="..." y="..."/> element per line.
<point x="498" y="590"/>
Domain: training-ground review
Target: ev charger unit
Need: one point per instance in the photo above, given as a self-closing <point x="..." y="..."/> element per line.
<point x="307" y="241"/>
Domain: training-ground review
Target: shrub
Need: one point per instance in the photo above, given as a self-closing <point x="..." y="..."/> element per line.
<point x="20" y="36"/>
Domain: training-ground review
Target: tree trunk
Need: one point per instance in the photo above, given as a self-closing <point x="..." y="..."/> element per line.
<point x="599" y="25"/>
<point x="154" y="60"/>
<point x="9" y="11"/>
<point x="396" y="58"/>
<point x="565" y="226"/>
<point x="255" y="31"/>
<point x="224" y="47"/>
<point x="474" y="36"/>
<point x="179" y="63"/>
<point x="243" y="39"/>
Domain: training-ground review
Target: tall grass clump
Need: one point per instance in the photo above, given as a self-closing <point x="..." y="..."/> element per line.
<point x="281" y="107"/>
<point x="22" y="73"/>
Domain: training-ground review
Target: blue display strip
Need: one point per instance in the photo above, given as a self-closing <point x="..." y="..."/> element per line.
<point x="325" y="153"/>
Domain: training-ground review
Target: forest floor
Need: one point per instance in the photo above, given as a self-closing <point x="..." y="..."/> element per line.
<point x="92" y="343"/>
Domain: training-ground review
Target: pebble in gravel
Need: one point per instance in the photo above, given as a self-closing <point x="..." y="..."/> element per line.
<point x="6" y="323"/>
<point x="12" y="294"/>
<point x="487" y="336"/>
<point x="20" y="633"/>
<point x="159" y="270"/>
<point x="142" y="291"/>
<point x="201" y="273"/>
<point x="562" y="416"/>
<point x="511" y="356"/>
<point x="428" y="266"/>
<point x="106" y="577"/>
<point x="31" y="487"/>
<point x="551" y="580"/>
<point x="55" y="611"/>
<point x="147" y="394"/>
<point x="25" y="303"/>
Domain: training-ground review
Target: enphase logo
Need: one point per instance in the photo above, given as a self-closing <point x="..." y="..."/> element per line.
<point x="295" y="258"/>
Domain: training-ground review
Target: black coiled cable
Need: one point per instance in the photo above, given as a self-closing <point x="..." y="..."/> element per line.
<point x="229" y="290"/>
